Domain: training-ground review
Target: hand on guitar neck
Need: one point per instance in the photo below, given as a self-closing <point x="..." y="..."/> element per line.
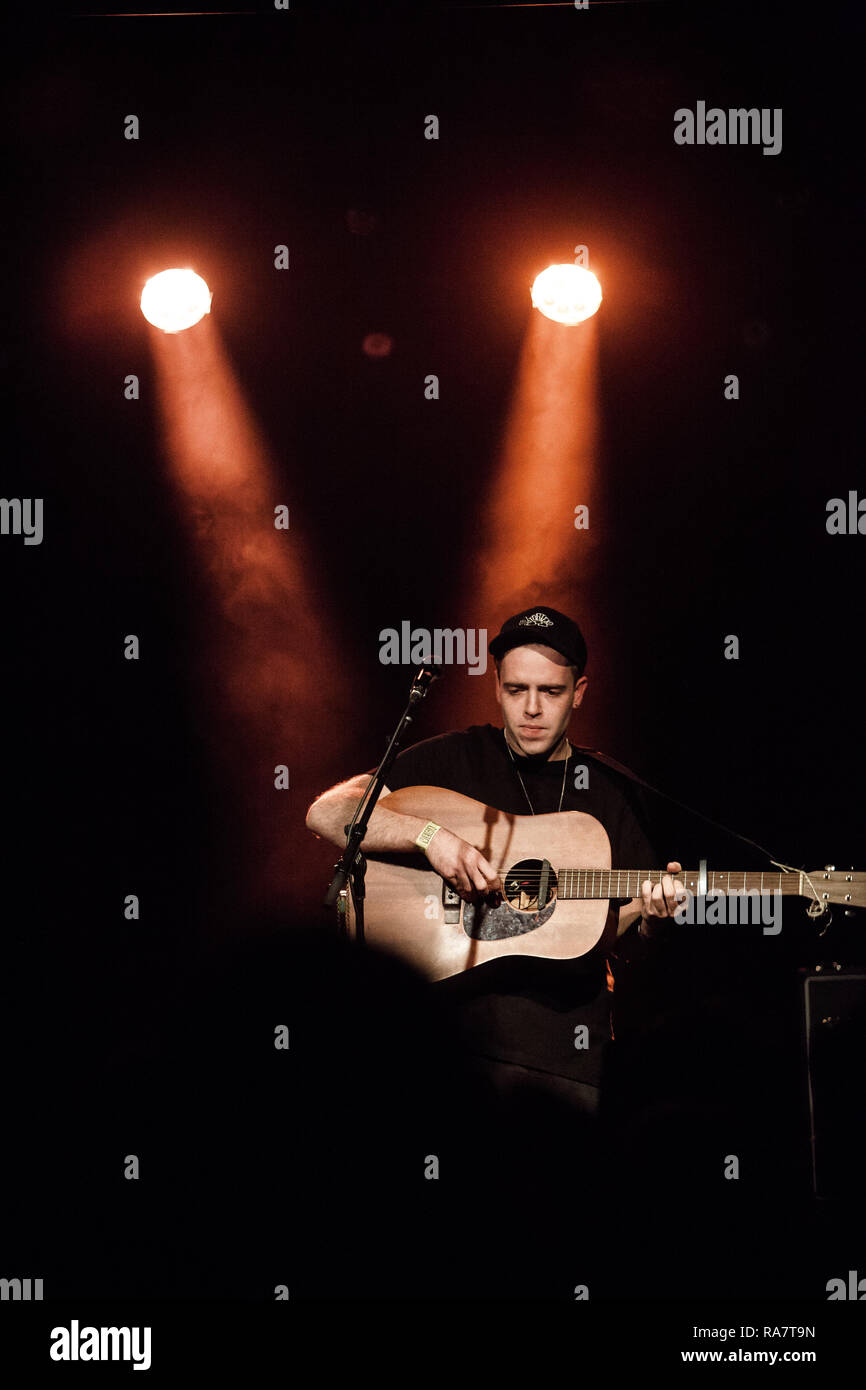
<point x="659" y="901"/>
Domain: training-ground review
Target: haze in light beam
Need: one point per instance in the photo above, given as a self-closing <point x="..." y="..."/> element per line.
<point x="271" y="664"/>
<point x="547" y="467"/>
<point x="527" y="549"/>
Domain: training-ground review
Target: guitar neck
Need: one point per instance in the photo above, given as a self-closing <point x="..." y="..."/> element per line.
<point x="626" y="883"/>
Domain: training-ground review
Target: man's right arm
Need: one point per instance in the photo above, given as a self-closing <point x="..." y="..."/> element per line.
<point x="391" y="832"/>
<point x="387" y="832"/>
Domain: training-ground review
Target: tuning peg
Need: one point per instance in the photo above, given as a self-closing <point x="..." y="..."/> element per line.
<point x="830" y="868"/>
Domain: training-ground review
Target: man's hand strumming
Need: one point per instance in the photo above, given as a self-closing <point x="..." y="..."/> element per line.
<point x="462" y="866"/>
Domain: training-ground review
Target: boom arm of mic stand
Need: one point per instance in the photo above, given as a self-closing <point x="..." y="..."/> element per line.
<point x="352" y="866"/>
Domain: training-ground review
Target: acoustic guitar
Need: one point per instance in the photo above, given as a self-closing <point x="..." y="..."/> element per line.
<point x="558" y="887"/>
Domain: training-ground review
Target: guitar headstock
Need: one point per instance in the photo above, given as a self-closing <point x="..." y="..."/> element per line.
<point x="843" y="886"/>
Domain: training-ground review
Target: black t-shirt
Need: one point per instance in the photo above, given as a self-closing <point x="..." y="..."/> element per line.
<point x="519" y="1008"/>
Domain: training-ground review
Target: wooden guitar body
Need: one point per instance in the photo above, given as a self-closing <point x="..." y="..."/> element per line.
<point x="409" y="911"/>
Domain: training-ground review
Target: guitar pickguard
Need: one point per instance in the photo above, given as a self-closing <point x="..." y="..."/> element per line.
<point x="484" y="923"/>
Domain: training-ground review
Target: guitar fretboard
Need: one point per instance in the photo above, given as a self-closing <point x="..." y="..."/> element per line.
<point x="626" y="883"/>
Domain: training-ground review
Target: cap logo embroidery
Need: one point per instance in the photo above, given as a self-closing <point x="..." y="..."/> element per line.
<point x="536" y="620"/>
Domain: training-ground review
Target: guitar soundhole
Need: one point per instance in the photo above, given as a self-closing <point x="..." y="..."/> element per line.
<point x="525" y="881"/>
<point x="519" y="911"/>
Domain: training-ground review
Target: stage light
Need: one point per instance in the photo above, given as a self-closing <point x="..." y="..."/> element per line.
<point x="377" y="345"/>
<point x="566" y="293"/>
<point x="175" y="300"/>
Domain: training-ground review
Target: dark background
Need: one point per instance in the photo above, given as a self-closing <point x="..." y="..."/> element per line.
<point x="556" y="128"/>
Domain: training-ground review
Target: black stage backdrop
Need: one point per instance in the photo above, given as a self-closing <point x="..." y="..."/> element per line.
<point x="141" y="1037"/>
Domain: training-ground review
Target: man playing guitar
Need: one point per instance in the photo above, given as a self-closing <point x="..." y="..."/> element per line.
<point x="522" y="1015"/>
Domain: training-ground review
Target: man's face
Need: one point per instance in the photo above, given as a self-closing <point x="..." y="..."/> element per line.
<point x="536" y="691"/>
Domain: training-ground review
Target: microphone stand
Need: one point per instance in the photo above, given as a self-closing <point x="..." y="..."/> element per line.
<point x="352" y="867"/>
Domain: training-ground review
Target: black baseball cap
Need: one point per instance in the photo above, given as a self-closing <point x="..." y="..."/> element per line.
<point x="547" y="627"/>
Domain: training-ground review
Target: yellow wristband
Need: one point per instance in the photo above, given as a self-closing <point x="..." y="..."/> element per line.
<point x="427" y="834"/>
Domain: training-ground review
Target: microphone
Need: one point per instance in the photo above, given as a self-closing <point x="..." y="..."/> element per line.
<point x="423" y="680"/>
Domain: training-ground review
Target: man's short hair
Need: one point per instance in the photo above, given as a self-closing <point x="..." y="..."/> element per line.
<point x="497" y="662"/>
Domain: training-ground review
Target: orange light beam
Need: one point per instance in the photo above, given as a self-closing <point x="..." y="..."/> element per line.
<point x="528" y="549"/>
<point x="271" y="682"/>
